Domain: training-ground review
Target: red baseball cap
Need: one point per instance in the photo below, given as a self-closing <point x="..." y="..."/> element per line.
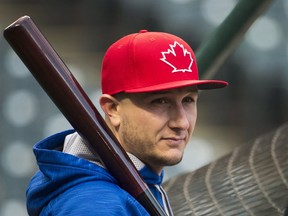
<point x="151" y="61"/>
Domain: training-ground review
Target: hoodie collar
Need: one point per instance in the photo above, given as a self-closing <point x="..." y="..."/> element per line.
<point x="76" y="146"/>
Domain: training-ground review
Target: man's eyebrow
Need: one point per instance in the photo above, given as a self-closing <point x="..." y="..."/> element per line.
<point x="189" y="90"/>
<point x="160" y="92"/>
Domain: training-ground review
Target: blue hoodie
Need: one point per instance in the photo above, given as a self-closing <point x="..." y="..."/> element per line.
<point x="68" y="185"/>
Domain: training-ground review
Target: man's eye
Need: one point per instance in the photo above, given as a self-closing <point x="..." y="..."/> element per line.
<point x="188" y="100"/>
<point x="160" y="101"/>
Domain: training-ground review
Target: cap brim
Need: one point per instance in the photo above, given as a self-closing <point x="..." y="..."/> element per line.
<point x="201" y="85"/>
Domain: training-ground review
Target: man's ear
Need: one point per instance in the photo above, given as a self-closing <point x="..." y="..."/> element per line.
<point x="110" y="106"/>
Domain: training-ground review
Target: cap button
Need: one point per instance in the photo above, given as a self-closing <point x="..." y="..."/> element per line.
<point x="143" y="31"/>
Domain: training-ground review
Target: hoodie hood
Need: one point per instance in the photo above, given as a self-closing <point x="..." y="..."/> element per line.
<point x="58" y="173"/>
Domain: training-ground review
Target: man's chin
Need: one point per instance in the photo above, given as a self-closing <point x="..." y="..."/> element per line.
<point x="173" y="159"/>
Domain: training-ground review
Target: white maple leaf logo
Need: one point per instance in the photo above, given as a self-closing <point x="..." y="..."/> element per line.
<point x="179" y="58"/>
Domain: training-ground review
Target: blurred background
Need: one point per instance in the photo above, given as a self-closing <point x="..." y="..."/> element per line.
<point x="80" y="31"/>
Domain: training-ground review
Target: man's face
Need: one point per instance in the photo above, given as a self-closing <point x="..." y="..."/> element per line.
<point x="155" y="127"/>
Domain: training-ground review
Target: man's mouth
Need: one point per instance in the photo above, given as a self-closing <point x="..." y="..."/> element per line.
<point x="175" y="141"/>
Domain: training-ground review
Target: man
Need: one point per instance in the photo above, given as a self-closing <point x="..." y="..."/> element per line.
<point x="150" y="88"/>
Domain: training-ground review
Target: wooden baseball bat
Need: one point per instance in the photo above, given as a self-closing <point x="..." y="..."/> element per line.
<point x="64" y="90"/>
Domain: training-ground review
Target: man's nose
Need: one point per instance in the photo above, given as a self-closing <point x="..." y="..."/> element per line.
<point x="178" y="117"/>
